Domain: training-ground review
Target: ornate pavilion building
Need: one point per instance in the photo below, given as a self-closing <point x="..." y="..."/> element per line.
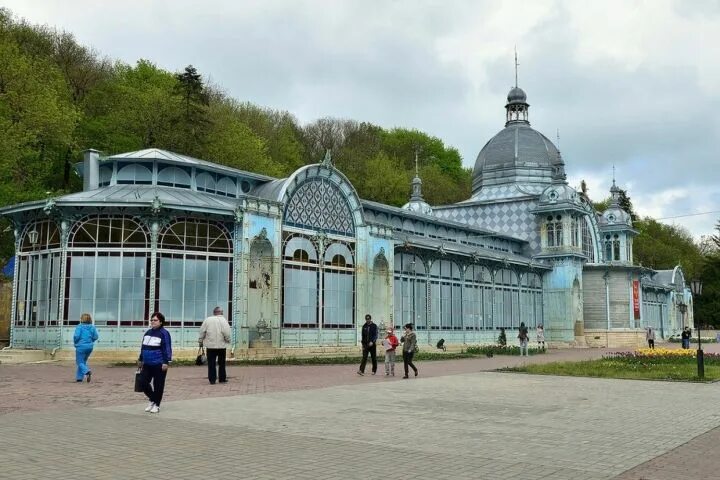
<point x="298" y="261"/>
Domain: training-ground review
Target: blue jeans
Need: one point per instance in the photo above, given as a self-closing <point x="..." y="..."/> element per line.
<point x="686" y="343"/>
<point x="82" y="353"/>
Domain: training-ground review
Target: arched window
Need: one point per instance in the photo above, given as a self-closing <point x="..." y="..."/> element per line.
<point x="174" y="177"/>
<point x="616" y="247"/>
<point x="574" y="232"/>
<point x="300" y="282"/>
<point x="608" y="249"/>
<point x="134" y="173"/>
<point x="554" y="231"/>
<point x="194" y="271"/>
<point x="108" y="271"/>
<point x="587" y="241"/>
<point x="338" y="286"/>
<point x="205" y="182"/>
<point x="38" y="280"/>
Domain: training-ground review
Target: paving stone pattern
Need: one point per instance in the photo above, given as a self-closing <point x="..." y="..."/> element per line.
<point x="456" y="420"/>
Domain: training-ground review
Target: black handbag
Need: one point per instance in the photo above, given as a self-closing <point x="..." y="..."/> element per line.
<point x="138" y="381"/>
<point x="201" y="358"/>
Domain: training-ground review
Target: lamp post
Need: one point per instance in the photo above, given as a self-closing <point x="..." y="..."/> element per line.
<point x="696" y="288"/>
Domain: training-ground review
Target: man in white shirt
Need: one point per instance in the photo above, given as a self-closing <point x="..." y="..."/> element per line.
<point x="215" y="337"/>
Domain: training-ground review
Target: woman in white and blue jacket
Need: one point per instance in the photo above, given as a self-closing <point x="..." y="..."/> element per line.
<point x="154" y="360"/>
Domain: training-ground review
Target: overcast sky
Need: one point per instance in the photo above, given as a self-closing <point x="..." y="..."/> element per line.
<point x="630" y="84"/>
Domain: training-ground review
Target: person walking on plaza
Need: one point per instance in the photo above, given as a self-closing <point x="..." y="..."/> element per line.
<point x="84" y="339"/>
<point x="685" y="337"/>
<point x="524" y="338"/>
<point x="409" y="341"/>
<point x="154" y="360"/>
<point x="368" y="340"/>
<point x="650" y="337"/>
<point x="540" y="331"/>
<point x="389" y="344"/>
<point x="215" y="337"/>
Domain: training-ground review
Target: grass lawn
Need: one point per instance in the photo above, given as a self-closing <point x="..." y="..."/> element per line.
<point x="630" y="367"/>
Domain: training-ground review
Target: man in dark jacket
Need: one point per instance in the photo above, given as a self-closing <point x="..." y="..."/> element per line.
<point x="369" y="341"/>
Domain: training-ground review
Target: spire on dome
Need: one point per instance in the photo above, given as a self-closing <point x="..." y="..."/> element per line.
<point x="614" y="192"/>
<point x="517" y="106"/>
<point x="416" y="183"/>
<point x="417" y="203"/>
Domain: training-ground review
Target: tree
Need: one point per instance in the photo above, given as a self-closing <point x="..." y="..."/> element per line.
<point x="194" y="122"/>
<point x="662" y="247"/>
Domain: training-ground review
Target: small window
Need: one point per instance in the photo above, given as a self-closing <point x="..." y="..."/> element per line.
<point x="301" y="256"/>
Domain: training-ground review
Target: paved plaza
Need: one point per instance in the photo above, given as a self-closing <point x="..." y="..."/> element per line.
<point x="458" y="419"/>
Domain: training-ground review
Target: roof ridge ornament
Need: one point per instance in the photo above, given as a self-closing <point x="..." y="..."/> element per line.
<point x="328" y="161"/>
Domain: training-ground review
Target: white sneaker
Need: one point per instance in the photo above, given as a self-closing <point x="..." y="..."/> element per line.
<point x="150" y="406"/>
<point x="155" y="409"/>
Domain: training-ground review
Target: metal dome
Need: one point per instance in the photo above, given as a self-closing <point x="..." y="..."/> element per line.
<point x="517" y="95"/>
<point x="518" y="153"/>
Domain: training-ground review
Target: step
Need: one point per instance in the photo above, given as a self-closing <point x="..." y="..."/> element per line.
<point x="12" y="356"/>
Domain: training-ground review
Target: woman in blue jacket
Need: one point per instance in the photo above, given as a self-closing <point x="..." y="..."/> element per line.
<point x="84" y="338"/>
<point x="154" y="360"/>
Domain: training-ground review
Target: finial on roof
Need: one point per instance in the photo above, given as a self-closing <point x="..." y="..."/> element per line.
<point x="516" y="67"/>
<point x="327" y="161"/>
<point x="613" y="174"/>
<point x="417" y="170"/>
<point x="558" y="139"/>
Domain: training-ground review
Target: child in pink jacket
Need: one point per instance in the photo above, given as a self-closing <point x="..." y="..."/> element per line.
<point x="389" y="343"/>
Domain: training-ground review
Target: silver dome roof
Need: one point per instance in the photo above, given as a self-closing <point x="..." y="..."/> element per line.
<point x="517" y="154"/>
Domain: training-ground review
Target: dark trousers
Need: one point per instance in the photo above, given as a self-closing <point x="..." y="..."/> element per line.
<point x="408" y="362"/>
<point x="373" y="357"/>
<point x="651" y="343"/>
<point x="216" y="355"/>
<point x="155" y="374"/>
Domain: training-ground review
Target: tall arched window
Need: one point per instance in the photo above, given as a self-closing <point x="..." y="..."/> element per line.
<point x="554" y="228"/>
<point x="616" y="247"/>
<point x="338" y="286"/>
<point x="300" y="282"/>
<point x="38" y="281"/>
<point x="108" y="271"/>
<point x="194" y="273"/>
<point x="587" y="241"/>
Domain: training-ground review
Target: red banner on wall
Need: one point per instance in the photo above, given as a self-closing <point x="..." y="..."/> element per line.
<point x="636" y="299"/>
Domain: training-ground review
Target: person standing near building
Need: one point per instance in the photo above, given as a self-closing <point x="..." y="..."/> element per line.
<point x="409" y="341"/>
<point x="389" y="344"/>
<point x="84" y="339"/>
<point x="154" y="361"/>
<point x="540" y="332"/>
<point x="685" y="337"/>
<point x="368" y="340"/>
<point x="524" y="338"/>
<point x="650" y="337"/>
<point x="215" y="337"/>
